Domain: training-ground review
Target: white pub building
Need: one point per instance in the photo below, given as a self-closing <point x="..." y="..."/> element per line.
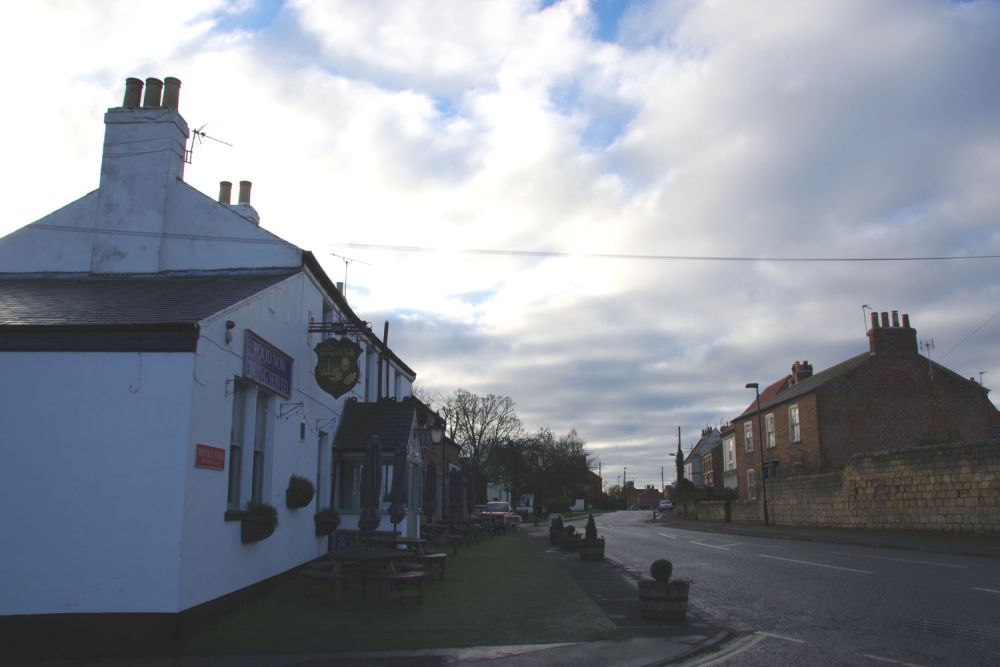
<point x="159" y="379"/>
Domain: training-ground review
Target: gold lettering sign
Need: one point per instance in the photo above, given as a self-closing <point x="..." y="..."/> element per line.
<point x="337" y="369"/>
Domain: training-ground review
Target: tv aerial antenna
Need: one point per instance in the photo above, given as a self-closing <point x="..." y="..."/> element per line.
<point x="926" y="346"/>
<point x="198" y="137"/>
<point x="347" y="263"/>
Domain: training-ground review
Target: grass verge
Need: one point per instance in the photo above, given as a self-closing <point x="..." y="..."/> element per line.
<point x="502" y="591"/>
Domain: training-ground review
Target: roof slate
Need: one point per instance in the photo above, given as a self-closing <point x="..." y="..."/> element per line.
<point x="124" y="300"/>
<point x="391" y="420"/>
<point x="782" y="392"/>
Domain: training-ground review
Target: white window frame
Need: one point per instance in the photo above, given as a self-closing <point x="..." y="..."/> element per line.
<point x="769" y="430"/>
<point x="352" y="491"/>
<point x="263" y="409"/>
<point x="748" y="436"/>
<point x="751" y="484"/>
<point x="794" y="425"/>
<point x="237" y="444"/>
<point x="729" y="449"/>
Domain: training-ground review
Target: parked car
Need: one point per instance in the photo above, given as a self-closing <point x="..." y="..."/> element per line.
<point x="665" y="505"/>
<point x="500" y="511"/>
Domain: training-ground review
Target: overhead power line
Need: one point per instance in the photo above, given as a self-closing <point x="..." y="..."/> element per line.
<point x="974" y="332"/>
<point x="633" y="256"/>
<point x="513" y="253"/>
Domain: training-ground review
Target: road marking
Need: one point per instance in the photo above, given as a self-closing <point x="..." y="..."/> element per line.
<point x="895" y="662"/>
<point x="739" y="646"/>
<point x="673" y="537"/>
<point x="787" y="639"/>
<point x="985" y="590"/>
<point x="901" y="560"/>
<point x="806" y="562"/>
<point x="710" y="546"/>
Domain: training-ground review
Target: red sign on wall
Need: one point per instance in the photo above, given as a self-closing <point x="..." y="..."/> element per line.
<point x="213" y="458"/>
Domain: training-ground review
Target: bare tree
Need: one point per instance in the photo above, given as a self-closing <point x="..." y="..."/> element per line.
<point x="479" y="424"/>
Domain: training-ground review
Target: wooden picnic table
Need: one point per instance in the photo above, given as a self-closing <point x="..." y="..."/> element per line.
<point x="414" y="544"/>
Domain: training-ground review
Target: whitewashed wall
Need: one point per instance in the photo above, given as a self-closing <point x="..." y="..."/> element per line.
<point x="92" y="480"/>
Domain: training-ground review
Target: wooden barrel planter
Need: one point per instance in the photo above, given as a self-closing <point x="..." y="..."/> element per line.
<point x="592" y="550"/>
<point x="660" y="601"/>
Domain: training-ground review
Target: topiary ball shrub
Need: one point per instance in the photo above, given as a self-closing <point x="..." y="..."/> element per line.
<point x="590" y="532"/>
<point x="661" y="570"/>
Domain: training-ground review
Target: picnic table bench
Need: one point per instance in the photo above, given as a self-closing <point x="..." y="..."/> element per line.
<point x="400" y="586"/>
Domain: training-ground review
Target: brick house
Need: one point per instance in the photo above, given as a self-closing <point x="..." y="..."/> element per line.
<point x="703" y="465"/>
<point x="890" y="397"/>
<point x="647" y="498"/>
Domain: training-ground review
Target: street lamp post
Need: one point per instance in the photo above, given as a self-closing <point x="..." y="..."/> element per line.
<point x="760" y="447"/>
<point x="625" y="486"/>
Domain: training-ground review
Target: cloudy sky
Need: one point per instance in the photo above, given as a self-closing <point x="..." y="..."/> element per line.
<point x="479" y="161"/>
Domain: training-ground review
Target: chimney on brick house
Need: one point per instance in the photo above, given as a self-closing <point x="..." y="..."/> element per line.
<point x="143" y="157"/>
<point x="897" y="339"/>
<point x="801" y="370"/>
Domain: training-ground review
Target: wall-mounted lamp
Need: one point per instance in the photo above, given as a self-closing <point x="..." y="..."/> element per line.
<point x="230" y="325"/>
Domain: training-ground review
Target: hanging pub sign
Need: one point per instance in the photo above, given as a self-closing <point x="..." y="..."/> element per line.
<point x="337" y="369"/>
<point x="266" y="365"/>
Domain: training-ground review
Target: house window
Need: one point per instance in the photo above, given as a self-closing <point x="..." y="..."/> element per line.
<point x="751" y="484"/>
<point x="769" y="428"/>
<point x="349" y="485"/>
<point x="730" y="444"/>
<point x="261" y="422"/>
<point x="236" y="440"/>
<point x="322" y="461"/>
<point x="748" y="436"/>
<point x="793" y="423"/>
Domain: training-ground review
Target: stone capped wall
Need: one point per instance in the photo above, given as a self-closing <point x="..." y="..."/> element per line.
<point x="952" y="487"/>
<point x="711" y="510"/>
<point x="747" y="511"/>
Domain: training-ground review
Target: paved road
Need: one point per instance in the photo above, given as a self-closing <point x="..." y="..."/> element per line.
<point x="810" y="603"/>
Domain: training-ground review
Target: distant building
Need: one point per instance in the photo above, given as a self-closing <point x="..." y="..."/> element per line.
<point x="694" y="463"/>
<point x="890" y="397"/>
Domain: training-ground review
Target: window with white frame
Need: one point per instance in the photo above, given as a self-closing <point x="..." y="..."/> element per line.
<point x="793" y="423"/>
<point x="751" y="484"/>
<point x="237" y="436"/>
<point x="748" y="436"/>
<point x="349" y="484"/>
<point x="729" y="447"/>
<point x="261" y="422"/>
<point x="769" y="429"/>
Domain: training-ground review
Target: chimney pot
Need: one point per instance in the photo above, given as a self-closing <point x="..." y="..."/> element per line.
<point x="225" y="192"/>
<point x="154" y="87"/>
<point x="895" y="318"/>
<point x="874" y="320"/>
<point x="244" y="197"/>
<point x="133" y="92"/>
<point x="340" y="287"/>
<point x="906" y="320"/>
<point x="171" y="92"/>
<point x="885" y="320"/>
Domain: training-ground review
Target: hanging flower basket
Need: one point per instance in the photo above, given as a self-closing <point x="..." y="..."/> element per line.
<point x="299" y="493"/>
<point x="326" y="521"/>
<point x="258" y="523"/>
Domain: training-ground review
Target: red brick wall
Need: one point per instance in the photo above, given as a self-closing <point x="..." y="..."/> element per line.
<point x="800" y="458"/>
<point x="890" y="403"/>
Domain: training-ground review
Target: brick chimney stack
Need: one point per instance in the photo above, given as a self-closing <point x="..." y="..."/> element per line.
<point x="800" y="371"/>
<point x="895" y="339"/>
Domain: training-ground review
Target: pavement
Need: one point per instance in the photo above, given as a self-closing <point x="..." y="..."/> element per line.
<point x="636" y="642"/>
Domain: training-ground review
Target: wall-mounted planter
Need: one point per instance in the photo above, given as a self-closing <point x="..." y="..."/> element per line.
<point x="299" y="493"/>
<point x="258" y="523"/>
<point x="326" y="521"/>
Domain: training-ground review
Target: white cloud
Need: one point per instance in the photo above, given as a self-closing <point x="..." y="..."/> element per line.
<point x="725" y="129"/>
